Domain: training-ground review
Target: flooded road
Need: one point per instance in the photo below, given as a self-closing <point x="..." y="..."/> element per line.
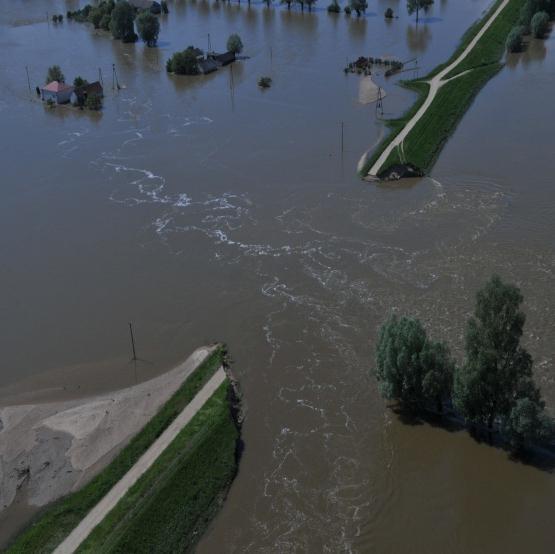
<point x="205" y="209"/>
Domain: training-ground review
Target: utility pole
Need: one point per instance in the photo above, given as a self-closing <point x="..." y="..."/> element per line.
<point x="379" y="102"/>
<point x="100" y="76"/>
<point x="132" y="341"/>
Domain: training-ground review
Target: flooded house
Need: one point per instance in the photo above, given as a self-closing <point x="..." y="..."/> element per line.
<point x="57" y="92"/>
<point x="80" y="94"/>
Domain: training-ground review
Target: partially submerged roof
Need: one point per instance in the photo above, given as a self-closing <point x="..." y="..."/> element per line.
<point x="89" y="89"/>
<point x="207" y="66"/>
<point x="56" y="86"/>
<point x="224" y="58"/>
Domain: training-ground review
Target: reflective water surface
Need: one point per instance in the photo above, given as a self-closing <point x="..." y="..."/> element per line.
<point x="206" y="209"/>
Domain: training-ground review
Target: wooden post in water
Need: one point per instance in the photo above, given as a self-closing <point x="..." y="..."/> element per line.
<point x="28" y="80"/>
<point x="100" y="76"/>
<point x="342" y="137"/>
<point x="132" y="341"/>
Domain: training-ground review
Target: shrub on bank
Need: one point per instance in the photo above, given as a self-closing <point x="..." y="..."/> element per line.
<point x="514" y="39"/>
<point x="539" y="24"/>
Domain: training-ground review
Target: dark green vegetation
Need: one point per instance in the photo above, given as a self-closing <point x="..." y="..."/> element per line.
<point x="425" y="141"/>
<point x="185" y="62"/>
<point x="57" y="521"/>
<point x="79" y="81"/>
<point x="93" y="102"/>
<point x="234" y="44"/>
<point x="148" y="27"/>
<point x="57" y="18"/>
<point x="417" y="5"/>
<point x="493" y="388"/>
<point x="169" y="508"/>
<point x="359" y="6"/>
<point x="410" y="368"/>
<point x="54" y="73"/>
<point x="265" y="82"/>
<point x="539" y="24"/>
<point x="389" y="14"/>
<point x="334" y="7"/>
<point x="122" y="22"/>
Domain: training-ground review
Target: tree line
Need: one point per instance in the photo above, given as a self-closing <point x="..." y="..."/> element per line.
<point x="492" y="389"/>
<point x="119" y="18"/>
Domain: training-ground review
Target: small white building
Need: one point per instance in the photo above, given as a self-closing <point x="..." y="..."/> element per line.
<point x="56" y="91"/>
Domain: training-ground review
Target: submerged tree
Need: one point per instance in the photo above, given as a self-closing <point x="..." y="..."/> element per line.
<point x="514" y="39"/>
<point x="55" y="74"/>
<point x="539" y="24"/>
<point x="148" y="27"/>
<point x="79" y="82"/>
<point x="417" y="5"/>
<point x="184" y="63"/>
<point x="411" y="369"/>
<point x="359" y="6"/>
<point x="497" y="372"/>
<point x="234" y="43"/>
<point x="121" y="24"/>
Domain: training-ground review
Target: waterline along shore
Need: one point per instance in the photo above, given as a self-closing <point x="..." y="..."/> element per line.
<point x="416" y="138"/>
<point x="161" y="476"/>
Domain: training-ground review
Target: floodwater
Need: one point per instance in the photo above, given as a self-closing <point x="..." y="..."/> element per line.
<point x="206" y="209"/>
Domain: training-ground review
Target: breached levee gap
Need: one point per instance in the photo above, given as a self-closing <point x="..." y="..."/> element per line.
<point x="173" y="500"/>
<point x="418" y="136"/>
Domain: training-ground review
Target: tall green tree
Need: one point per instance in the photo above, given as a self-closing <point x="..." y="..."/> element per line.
<point x="122" y="21"/>
<point x="410" y="368"/>
<point x="55" y="74"/>
<point x="497" y="369"/>
<point x="417" y="5"/>
<point x="148" y="27"/>
<point x="234" y="44"/>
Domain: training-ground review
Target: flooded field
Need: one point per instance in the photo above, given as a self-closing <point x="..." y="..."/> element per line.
<point x="206" y="209"/>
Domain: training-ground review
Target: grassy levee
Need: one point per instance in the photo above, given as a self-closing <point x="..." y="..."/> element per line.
<point x="52" y="525"/>
<point x="171" y="505"/>
<point x="424" y="143"/>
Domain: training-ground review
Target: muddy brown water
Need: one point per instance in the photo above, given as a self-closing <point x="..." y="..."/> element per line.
<point x="205" y="209"/>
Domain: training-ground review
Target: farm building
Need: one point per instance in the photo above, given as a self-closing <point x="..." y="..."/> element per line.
<point x="57" y="92"/>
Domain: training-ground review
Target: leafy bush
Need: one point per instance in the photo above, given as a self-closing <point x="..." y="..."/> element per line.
<point x="105" y="22"/>
<point x="234" y="43"/>
<point x="164" y="6"/>
<point x="265" y="82"/>
<point x="79" y="81"/>
<point x="389" y="13"/>
<point x="334" y="7"/>
<point x="514" y="39"/>
<point x="347" y="10"/>
<point x="539" y="24"/>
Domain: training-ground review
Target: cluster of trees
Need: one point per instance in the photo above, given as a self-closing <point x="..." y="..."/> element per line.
<point x="534" y="20"/>
<point x="57" y="18"/>
<point x="417" y="5"/>
<point x="185" y="62"/>
<point x="118" y="17"/>
<point x="493" y="388"/>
